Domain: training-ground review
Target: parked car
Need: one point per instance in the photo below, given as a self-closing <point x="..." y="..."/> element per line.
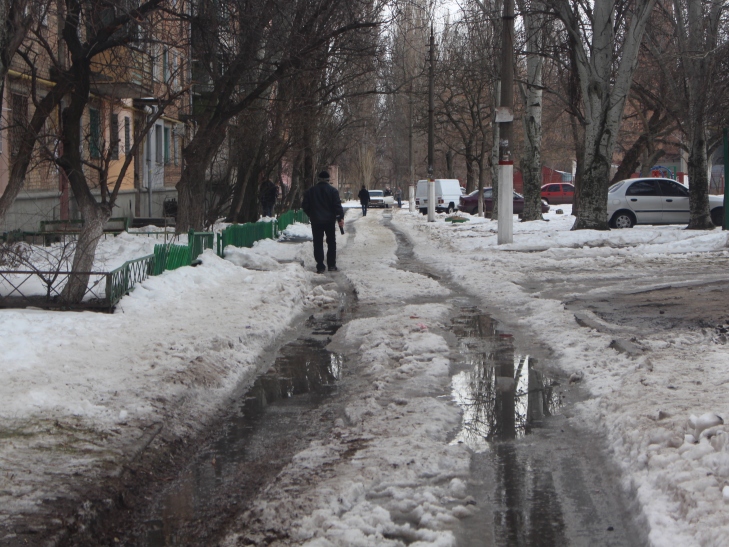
<point x="447" y="195"/>
<point x="654" y="201"/>
<point x="469" y="203"/>
<point x="558" y="193"/>
<point x="377" y="198"/>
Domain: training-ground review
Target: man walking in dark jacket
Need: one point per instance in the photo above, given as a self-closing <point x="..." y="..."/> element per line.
<point x="324" y="208"/>
<point x="364" y="199"/>
<point x="267" y="197"/>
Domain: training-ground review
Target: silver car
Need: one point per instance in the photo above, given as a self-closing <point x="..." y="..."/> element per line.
<point x="654" y="201"/>
<point x="377" y="198"/>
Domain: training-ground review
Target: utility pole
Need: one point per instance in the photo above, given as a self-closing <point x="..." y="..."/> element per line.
<point x="505" y="118"/>
<point x="431" y="130"/>
<point x="411" y="193"/>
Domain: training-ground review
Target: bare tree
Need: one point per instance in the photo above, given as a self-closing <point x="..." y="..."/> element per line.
<point x="90" y="29"/>
<point x="276" y="40"/>
<point x="20" y="16"/>
<point x="465" y="84"/>
<point x="531" y="91"/>
<point x="605" y="38"/>
<point x="686" y="36"/>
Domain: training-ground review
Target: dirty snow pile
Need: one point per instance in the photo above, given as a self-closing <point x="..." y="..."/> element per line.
<point x="387" y="474"/>
<point x="81" y="392"/>
<point x="653" y="405"/>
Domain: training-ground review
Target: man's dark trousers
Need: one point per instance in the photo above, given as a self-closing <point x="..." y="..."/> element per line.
<point x="317" y="232"/>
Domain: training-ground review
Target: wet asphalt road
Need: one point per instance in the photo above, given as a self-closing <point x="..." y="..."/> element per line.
<point x="535" y="480"/>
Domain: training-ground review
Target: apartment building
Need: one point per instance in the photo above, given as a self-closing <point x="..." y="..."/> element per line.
<point x="128" y="85"/>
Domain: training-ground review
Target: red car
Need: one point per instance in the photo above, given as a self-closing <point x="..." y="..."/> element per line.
<point x="558" y="193"/>
<point x="469" y="203"/>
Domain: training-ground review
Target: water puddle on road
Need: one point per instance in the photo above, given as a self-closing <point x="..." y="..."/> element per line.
<point x="534" y="480"/>
<point x="271" y="424"/>
<point x="504" y="397"/>
<point x="502" y="394"/>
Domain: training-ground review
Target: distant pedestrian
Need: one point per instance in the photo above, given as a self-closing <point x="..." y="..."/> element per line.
<point x="364" y="199"/>
<point x="398" y="196"/>
<point x="267" y="197"/>
<point x="324" y="208"/>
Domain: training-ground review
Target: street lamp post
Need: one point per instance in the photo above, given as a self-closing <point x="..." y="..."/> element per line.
<point x="505" y="118"/>
<point x="431" y="130"/>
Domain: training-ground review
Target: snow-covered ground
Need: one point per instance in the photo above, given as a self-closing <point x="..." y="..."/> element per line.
<point x="80" y="393"/>
<point x="643" y="403"/>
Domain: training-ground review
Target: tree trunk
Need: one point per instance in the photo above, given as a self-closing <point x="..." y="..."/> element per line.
<point x="699" y="182"/>
<point x="470" y="172"/>
<point x="20" y="163"/>
<point x="193" y="183"/>
<point x="481" y="175"/>
<point x="579" y="143"/>
<point x="95" y="218"/>
<point x="605" y="83"/>
<point x="697" y="33"/>
<point x="531" y="161"/>
<point x="495" y="163"/>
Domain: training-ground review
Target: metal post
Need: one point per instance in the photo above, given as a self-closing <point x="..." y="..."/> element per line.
<point x="505" y="117"/>
<point x="431" y="130"/>
<point x="411" y="158"/>
<point x="149" y="172"/>
<point x="431" y="199"/>
<point x="726" y="179"/>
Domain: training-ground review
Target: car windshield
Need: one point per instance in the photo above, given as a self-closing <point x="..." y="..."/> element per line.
<point x="518" y="195"/>
<point x="486" y="193"/>
<point x="376" y="193"/>
<point x="615" y="187"/>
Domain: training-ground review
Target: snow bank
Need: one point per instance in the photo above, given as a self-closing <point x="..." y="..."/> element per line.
<point x="642" y="403"/>
<point x="78" y="391"/>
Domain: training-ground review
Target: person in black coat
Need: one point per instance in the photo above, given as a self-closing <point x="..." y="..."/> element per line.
<point x="364" y="199"/>
<point x="324" y="208"/>
<point x="267" y="197"/>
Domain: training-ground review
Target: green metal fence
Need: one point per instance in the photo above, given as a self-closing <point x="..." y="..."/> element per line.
<point x="289" y="217"/>
<point x="171" y="257"/>
<point x="199" y="241"/>
<point x="245" y="235"/>
<point x="122" y="280"/>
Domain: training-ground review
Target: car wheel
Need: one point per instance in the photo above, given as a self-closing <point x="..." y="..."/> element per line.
<point x="622" y="219"/>
<point x="450" y="209"/>
<point x="545" y="200"/>
<point x="717" y="216"/>
<point x="423" y="211"/>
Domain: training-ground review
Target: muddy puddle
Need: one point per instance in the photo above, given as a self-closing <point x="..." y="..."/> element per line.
<point x="535" y="480"/>
<point x="502" y="394"/>
<point x="273" y="420"/>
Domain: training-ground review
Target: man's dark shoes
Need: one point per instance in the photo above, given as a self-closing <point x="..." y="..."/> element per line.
<point x="333" y="269"/>
<point x="320" y="270"/>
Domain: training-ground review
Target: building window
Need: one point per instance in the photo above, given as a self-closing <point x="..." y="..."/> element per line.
<point x="175" y="72"/>
<point x="19" y="104"/>
<point x="94" y="133"/>
<point x="167" y="145"/>
<point x="127" y="135"/>
<point x="114" y="137"/>
<point x="166" y="64"/>
<point x="158" y="143"/>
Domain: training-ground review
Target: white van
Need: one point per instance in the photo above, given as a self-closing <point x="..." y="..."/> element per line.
<point x="447" y="195"/>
